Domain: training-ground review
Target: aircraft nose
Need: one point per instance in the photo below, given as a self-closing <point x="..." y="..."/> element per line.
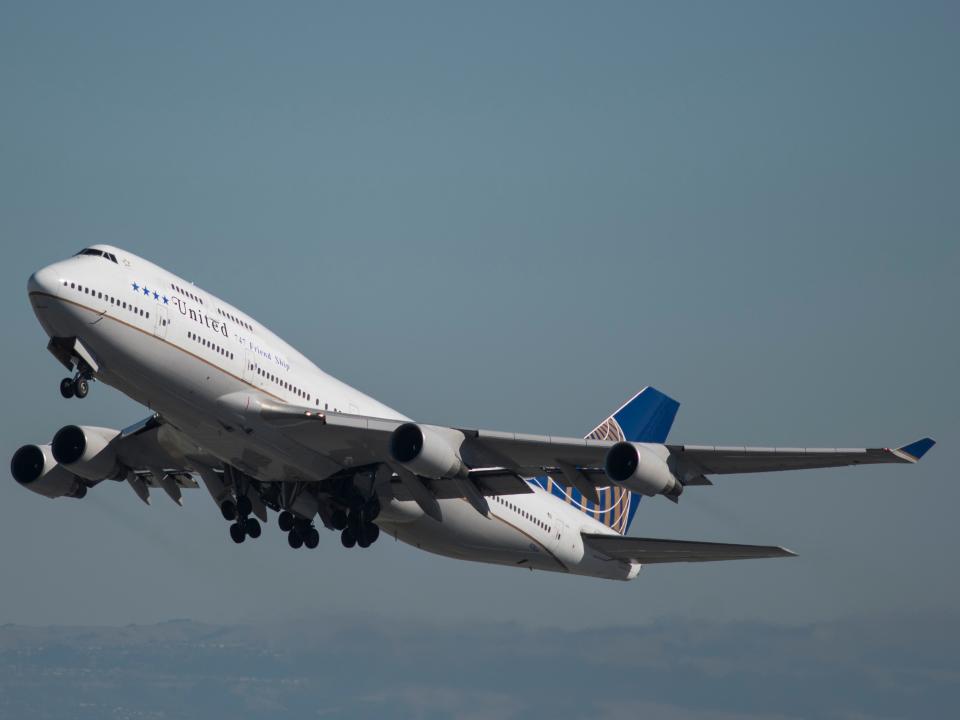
<point x="44" y="280"/>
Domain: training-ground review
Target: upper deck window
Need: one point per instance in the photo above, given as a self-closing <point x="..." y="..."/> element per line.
<point x="99" y="253"/>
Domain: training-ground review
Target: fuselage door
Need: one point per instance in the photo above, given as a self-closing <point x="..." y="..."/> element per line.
<point x="162" y="321"/>
<point x="556" y="531"/>
<point x="249" y="368"/>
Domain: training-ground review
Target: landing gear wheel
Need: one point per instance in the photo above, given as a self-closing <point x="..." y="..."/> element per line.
<point x="294" y="539"/>
<point x="228" y="509"/>
<point x="237" y="533"/>
<point x="370" y="509"/>
<point x="348" y="538"/>
<point x="285" y="520"/>
<point x="311" y="538"/>
<point x="66" y="388"/>
<point x="252" y="527"/>
<point x="244" y="506"/>
<point x="81" y="387"/>
<point x="367" y="535"/>
<point x="338" y="519"/>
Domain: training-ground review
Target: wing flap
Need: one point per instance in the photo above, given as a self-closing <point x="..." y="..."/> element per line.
<point x="654" y="550"/>
<point x="489" y="482"/>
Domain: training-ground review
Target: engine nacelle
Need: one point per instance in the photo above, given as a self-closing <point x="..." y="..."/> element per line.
<point x="641" y="469"/>
<point x="427" y="450"/>
<point x="35" y="469"/>
<point x="87" y="452"/>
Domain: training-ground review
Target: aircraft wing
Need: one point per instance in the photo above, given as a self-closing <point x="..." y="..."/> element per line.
<point x="712" y="460"/>
<point x="356" y="440"/>
<point x="652" y="550"/>
<point x="134" y="454"/>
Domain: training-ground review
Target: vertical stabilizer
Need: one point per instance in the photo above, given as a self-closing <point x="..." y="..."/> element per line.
<point x="646" y="417"/>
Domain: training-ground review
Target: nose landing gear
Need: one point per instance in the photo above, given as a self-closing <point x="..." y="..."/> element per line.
<point x="77" y="387"/>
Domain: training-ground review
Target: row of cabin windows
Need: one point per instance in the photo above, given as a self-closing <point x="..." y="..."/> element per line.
<point x="522" y="513"/>
<point x="189" y="294"/>
<point x="238" y="321"/>
<point x="281" y="382"/>
<point x="288" y="386"/>
<point x="211" y="345"/>
<point x="99" y="253"/>
<point x="116" y="302"/>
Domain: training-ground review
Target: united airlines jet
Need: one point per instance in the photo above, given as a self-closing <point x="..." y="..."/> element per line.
<point x="265" y="430"/>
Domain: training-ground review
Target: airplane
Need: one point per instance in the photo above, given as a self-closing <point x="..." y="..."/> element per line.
<point x="265" y="430"/>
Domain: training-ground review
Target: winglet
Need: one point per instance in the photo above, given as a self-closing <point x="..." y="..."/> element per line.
<point x="918" y="449"/>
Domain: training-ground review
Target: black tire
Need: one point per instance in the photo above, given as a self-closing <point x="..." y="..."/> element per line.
<point x="363" y="536"/>
<point x="252" y="527"/>
<point x="285" y="521"/>
<point x="228" y="509"/>
<point x="372" y="532"/>
<point x="81" y="387"/>
<point x="371" y="509"/>
<point x="312" y="538"/>
<point x="66" y="388"/>
<point x="294" y="540"/>
<point x="338" y="519"/>
<point x="244" y="506"/>
<point x="237" y="534"/>
<point x="347" y="537"/>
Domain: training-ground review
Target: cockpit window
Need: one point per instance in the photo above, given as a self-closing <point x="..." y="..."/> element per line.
<point x="99" y="253"/>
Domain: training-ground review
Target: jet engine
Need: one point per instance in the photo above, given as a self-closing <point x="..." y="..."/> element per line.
<point x="35" y="469"/>
<point x="641" y="469"/>
<point x="87" y="452"/>
<point x="428" y="450"/>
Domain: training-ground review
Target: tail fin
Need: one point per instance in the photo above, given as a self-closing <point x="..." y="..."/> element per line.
<point x="646" y="417"/>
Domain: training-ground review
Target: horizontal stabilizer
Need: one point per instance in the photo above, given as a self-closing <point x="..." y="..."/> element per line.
<point x="652" y="550"/>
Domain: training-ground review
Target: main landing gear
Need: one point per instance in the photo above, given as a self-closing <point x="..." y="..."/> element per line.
<point x="357" y="527"/>
<point x="244" y="526"/>
<point x="300" y="532"/>
<point x="77" y="386"/>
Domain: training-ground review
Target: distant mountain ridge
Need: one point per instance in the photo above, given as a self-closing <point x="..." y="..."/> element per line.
<point x="361" y="669"/>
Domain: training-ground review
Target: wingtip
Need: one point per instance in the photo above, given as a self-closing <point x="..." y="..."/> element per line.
<point x="918" y="449"/>
<point x="787" y="552"/>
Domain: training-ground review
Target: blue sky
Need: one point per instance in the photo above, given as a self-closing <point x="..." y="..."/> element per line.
<point x="513" y="216"/>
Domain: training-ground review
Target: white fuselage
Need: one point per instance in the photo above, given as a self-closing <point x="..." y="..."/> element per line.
<point x="180" y="351"/>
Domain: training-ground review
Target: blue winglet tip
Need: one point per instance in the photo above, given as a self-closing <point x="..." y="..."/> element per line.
<point x="918" y="449"/>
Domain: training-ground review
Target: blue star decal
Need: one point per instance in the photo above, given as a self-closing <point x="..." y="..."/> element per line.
<point x="146" y="291"/>
<point x="166" y="300"/>
<point x="156" y="295"/>
<point x="135" y="287"/>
